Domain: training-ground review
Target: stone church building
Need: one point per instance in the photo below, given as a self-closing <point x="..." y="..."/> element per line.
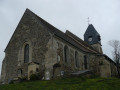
<point x="38" y="47"/>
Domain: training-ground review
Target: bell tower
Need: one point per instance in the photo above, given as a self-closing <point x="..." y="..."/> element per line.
<point x="92" y="37"/>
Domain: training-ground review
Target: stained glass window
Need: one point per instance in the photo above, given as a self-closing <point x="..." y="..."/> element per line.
<point x="76" y="59"/>
<point x="85" y="62"/>
<point x="66" y="54"/>
<point x="26" y="53"/>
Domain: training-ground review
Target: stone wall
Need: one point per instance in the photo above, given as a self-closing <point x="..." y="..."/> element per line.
<point x="59" y="58"/>
<point x="105" y="69"/>
<point x="97" y="47"/>
<point x="97" y="63"/>
<point x="29" y="31"/>
<point x="114" y="71"/>
<point x="3" y="70"/>
<point x="33" y="68"/>
<point x="100" y="65"/>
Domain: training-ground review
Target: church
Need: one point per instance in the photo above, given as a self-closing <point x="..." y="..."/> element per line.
<point x="38" y="47"/>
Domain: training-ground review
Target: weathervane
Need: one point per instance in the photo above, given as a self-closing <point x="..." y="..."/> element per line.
<point x="88" y="21"/>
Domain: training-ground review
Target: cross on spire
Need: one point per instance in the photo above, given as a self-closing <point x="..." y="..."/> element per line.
<point x="88" y="21"/>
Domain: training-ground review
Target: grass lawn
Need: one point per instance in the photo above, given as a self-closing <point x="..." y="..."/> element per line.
<point x="75" y="83"/>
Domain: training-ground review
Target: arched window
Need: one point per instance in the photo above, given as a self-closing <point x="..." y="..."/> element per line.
<point x="76" y="59"/>
<point x="26" y="53"/>
<point x="99" y="38"/>
<point x="66" y="54"/>
<point x="85" y="62"/>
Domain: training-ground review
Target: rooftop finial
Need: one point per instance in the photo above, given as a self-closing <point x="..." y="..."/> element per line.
<point x="88" y="21"/>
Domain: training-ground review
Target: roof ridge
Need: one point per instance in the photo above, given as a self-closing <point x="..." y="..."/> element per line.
<point x="83" y="45"/>
<point x="44" y="22"/>
<point x="91" y="28"/>
<point x="80" y="40"/>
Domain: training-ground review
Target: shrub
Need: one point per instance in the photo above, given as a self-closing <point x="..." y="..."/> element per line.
<point x="40" y="75"/>
<point x="34" y="77"/>
<point x="23" y="79"/>
<point x="11" y="82"/>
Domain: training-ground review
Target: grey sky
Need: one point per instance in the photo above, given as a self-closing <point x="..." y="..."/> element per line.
<point x="65" y="15"/>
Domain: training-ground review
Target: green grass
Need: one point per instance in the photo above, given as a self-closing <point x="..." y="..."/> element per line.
<point x="67" y="84"/>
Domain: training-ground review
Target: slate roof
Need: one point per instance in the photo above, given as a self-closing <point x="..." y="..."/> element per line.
<point x="107" y="58"/>
<point x="91" y="31"/>
<point x="82" y="43"/>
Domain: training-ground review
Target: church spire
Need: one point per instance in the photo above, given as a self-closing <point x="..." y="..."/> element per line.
<point x="92" y="37"/>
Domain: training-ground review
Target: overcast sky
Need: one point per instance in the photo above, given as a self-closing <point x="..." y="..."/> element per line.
<point x="65" y="15"/>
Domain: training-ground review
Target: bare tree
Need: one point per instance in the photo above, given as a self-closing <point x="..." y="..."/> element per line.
<point x="116" y="50"/>
<point x="116" y="53"/>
